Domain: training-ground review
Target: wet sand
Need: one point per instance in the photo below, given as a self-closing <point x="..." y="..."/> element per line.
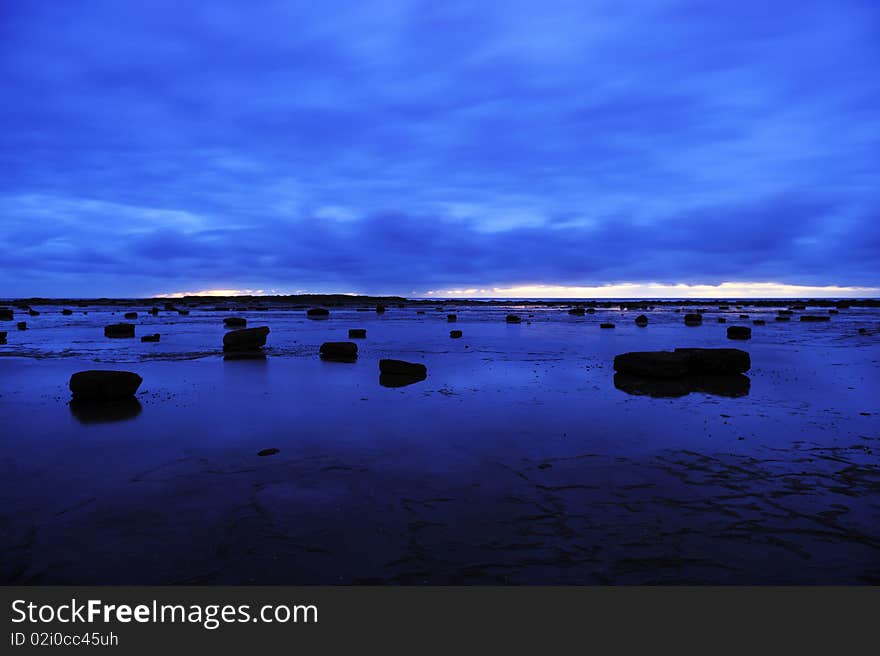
<point x="517" y="460"/>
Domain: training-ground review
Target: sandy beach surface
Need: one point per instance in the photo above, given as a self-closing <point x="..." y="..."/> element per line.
<point x="516" y="461"/>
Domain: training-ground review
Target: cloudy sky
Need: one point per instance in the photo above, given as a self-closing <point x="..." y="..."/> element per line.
<point x="445" y="147"/>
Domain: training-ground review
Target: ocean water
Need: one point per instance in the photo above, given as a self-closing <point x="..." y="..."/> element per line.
<point x="517" y="460"/>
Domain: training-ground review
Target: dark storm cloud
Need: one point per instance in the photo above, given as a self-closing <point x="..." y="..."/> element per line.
<point x="400" y="146"/>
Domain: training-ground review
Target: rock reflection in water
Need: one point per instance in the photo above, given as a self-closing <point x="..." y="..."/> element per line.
<point x="102" y="412"/>
<point x="399" y="380"/>
<point x="731" y="385"/>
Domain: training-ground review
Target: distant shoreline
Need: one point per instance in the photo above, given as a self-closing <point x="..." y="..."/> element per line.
<point x="346" y="300"/>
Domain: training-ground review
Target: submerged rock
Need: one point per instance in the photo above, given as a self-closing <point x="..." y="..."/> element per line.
<point x="119" y="330"/>
<point x="235" y="322"/>
<point x="455" y="334"/>
<point x="317" y="313"/>
<point x="512" y="318"/>
<point x="339" y="351"/>
<point x="739" y="332"/>
<point x="693" y="319"/>
<point x="151" y="338"/>
<point x="357" y="333"/>
<point x="246" y="339"/>
<point x="683" y="362"/>
<point x="641" y="321"/>
<point x="814" y="318"/>
<point x="102" y="385"/>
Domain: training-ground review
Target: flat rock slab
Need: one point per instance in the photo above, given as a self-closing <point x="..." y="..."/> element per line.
<point x="683" y="362"/>
<point x="119" y="330"/>
<point x="402" y="368"/>
<point x="246" y="339"/>
<point x="99" y="384"/>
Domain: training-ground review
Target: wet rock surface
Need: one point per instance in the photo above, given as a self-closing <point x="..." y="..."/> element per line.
<point x="246" y="339"/>
<point x="119" y="330"/>
<point x="103" y="385"/>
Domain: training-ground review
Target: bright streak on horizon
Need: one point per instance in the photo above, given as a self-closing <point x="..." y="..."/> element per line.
<point x="660" y="290"/>
<point x="216" y="292"/>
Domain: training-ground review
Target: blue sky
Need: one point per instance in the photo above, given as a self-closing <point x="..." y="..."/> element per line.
<point x="415" y="147"/>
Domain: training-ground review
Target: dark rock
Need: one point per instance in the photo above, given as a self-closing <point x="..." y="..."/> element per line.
<point x="653" y="364"/>
<point x="268" y="452"/>
<point x="33" y="313"/>
<point x="743" y="316"/>
<point x="154" y="311"/>
<point x="512" y="318"/>
<point x="119" y="330"/>
<point x="591" y="310"/>
<point x="606" y="325"/>
<point x="693" y="319"/>
<point x="245" y="339"/>
<point x="683" y="362"/>
<point x="798" y="307"/>
<point x="814" y="318"/>
<point x="2" y="336"/>
<point x="317" y="313"/>
<point x="235" y="322"/>
<point x="380" y="309"/>
<point x="357" y="333"/>
<point x="339" y="351"/>
<point x="862" y="331"/>
<point x="452" y="318"/>
<point x="66" y="312"/>
<point x="783" y="317"/>
<point x="784" y="312"/>
<point x="151" y="338"/>
<point x="759" y="322"/>
<point x="577" y="312"/>
<point x="722" y="320"/>
<point x="833" y="312"/>
<point x="455" y="334"/>
<point x="102" y="385"/>
<point x="131" y="315"/>
<point x="641" y="321"/>
<point x="402" y="368"/>
<point x="22" y="325"/>
<point x="739" y="332"/>
<point x="716" y="361"/>
<point x="183" y="313"/>
<point x="420" y="311"/>
<point x="5" y="314"/>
